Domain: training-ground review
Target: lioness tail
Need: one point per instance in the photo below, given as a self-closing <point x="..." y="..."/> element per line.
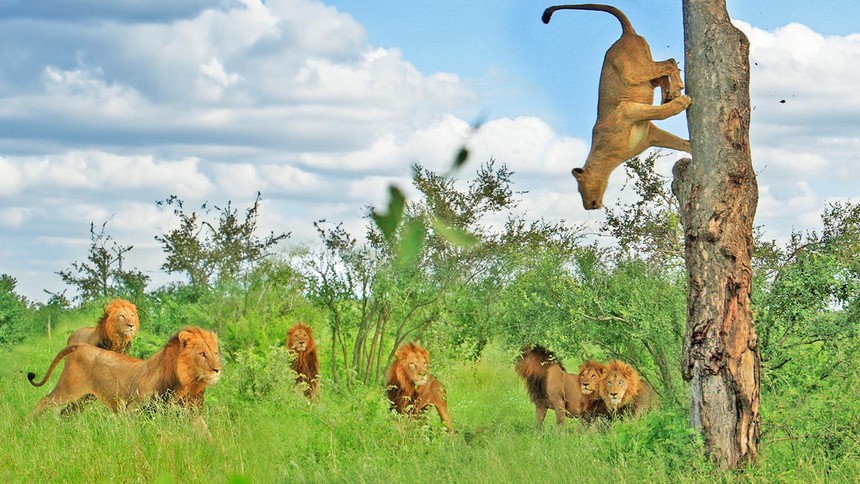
<point x="626" y="26"/>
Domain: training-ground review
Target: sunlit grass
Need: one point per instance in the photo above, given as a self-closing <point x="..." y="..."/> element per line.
<point x="351" y="436"/>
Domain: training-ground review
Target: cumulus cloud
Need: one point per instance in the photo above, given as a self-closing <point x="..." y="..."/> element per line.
<point x="114" y="105"/>
<point x="805" y="129"/>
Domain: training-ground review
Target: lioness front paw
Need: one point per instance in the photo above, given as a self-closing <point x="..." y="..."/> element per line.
<point x="683" y="100"/>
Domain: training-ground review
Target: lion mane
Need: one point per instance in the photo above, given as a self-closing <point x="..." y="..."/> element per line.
<point x="179" y="373"/>
<point x="301" y="343"/>
<point x="115" y="330"/>
<point x="411" y="389"/>
<point x="624" y="392"/>
<point x="549" y="385"/>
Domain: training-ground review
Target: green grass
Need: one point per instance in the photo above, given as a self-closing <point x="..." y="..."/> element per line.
<point x="350" y="436"/>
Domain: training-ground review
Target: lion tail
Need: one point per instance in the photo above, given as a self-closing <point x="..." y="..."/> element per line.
<point x="533" y="366"/>
<point x="62" y="354"/>
<point x="626" y="26"/>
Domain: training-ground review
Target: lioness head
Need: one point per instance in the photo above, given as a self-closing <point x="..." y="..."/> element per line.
<point x="591" y="188"/>
<point x="590" y="374"/>
<point x="300" y="338"/>
<point x="199" y="359"/>
<point x="414" y="363"/>
<point x="121" y="319"/>
<point x="621" y="384"/>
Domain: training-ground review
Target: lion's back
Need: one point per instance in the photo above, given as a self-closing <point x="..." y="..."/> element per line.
<point x="86" y="335"/>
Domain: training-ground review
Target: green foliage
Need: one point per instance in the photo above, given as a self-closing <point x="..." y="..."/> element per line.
<point x="13" y="312"/>
<point x="266" y="375"/>
<point x="649" y="227"/>
<point x="350" y="435"/>
<point x="103" y="275"/>
<point x="810" y="295"/>
<point x="208" y="253"/>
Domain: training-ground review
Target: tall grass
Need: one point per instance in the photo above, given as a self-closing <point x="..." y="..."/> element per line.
<point x="350" y="436"/>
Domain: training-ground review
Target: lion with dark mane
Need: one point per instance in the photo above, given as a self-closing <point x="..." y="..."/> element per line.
<point x="179" y="373"/>
<point x="115" y="330"/>
<point x="300" y="342"/>
<point x="550" y="386"/>
<point x="624" y="392"/>
<point x="411" y="389"/>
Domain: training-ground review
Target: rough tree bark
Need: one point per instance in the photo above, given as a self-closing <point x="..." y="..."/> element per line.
<point x="718" y="194"/>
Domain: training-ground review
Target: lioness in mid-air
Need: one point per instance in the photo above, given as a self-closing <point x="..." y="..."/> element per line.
<point x="625" y="106"/>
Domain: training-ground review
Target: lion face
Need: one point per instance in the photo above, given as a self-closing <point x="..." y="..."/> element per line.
<point x="591" y="188"/>
<point x="616" y="388"/>
<point x="590" y="375"/>
<point x="417" y="367"/>
<point x="621" y="384"/>
<point x="300" y="338"/>
<point x="125" y="322"/>
<point x="413" y="363"/>
<point x="199" y="360"/>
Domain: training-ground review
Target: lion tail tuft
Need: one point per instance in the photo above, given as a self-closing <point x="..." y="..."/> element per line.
<point x="62" y="354"/>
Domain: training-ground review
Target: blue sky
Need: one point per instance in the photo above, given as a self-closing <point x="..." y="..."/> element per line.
<point x="112" y="105"/>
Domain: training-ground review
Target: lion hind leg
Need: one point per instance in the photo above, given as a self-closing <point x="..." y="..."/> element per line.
<point x="57" y="397"/>
<point x="540" y="415"/>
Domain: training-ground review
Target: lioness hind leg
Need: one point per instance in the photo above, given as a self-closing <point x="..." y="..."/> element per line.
<point x="641" y="112"/>
<point x="664" y="139"/>
<point x="673" y="84"/>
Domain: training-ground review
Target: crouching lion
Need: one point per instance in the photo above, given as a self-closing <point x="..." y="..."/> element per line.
<point x="625" y="106"/>
<point x="179" y="373"/>
<point x="410" y="387"/>
<point x="624" y="392"/>
<point x="300" y="342"/>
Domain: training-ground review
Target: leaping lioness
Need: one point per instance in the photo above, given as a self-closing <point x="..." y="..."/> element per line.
<point x="625" y="106"/>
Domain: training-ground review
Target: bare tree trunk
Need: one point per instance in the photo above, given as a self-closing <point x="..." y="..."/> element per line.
<point x="718" y="194"/>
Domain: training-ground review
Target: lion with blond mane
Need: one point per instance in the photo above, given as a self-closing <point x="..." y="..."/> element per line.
<point x="115" y="330"/>
<point x="411" y="389"/>
<point x="300" y="342"/>
<point x="179" y="373"/>
<point x="550" y="386"/>
<point x="624" y="392"/>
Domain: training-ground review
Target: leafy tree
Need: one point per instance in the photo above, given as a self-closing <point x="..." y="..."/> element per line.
<point x="649" y="227"/>
<point x="103" y="275"/>
<point x="812" y="291"/>
<point x="13" y="312"/>
<point x="208" y="252"/>
<point x="419" y="256"/>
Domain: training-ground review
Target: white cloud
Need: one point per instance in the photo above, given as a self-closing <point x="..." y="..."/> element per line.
<point x="108" y="173"/>
<point x="805" y="129"/>
<point x="13" y="216"/>
<point x="11" y="181"/>
<point x="102" y="118"/>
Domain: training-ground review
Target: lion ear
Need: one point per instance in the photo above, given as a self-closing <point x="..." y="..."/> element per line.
<point x="576" y="172"/>
<point x="184" y="338"/>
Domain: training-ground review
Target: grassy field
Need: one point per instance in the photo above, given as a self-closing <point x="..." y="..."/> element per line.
<point x="350" y="436"/>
